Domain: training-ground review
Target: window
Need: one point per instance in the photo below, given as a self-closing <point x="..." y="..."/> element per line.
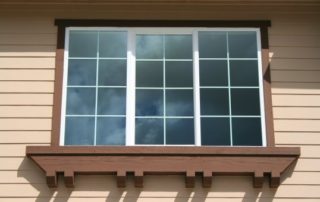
<point x="163" y="86"/>
<point x="162" y="81"/>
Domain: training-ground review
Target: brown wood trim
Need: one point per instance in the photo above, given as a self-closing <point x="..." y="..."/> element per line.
<point x="267" y="86"/>
<point x="272" y="161"/>
<point x="160" y="151"/>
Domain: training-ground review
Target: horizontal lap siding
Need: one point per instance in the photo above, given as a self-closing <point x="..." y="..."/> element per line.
<point x="27" y="57"/>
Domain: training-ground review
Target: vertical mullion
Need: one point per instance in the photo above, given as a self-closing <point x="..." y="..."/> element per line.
<point x="131" y="85"/>
<point x="64" y="88"/>
<point x="164" y="89"/>
<point x="229" y="91"/>
<point x="96" y="99"/>
<point x="196" y="89"/>
<point x="261" y="90"/>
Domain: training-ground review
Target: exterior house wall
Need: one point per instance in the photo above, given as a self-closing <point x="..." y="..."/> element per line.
<point x="27" y="67"/>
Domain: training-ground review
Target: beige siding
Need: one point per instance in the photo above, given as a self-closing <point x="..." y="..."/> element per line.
<point x="27" y="56"/>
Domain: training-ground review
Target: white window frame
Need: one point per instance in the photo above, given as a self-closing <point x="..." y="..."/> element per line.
<point x="131" y="87"/>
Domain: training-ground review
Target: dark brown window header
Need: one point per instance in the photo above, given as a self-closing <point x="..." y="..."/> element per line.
<point x="262" y="24"/>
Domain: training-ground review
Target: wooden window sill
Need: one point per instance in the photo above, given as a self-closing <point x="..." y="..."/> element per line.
<point x="142" y="160"/>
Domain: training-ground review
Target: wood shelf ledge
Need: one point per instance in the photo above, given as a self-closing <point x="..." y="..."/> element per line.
<point x="139" y="160"/>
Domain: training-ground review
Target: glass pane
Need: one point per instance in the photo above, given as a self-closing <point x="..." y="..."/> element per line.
<point x="111" y="131"/>
<point x="113" y="44"/>
<point x="111" y="101"/>
<point x="179" y="131"/>
<point x="178" y="46"/>
<point x="83" y="44"/>
<point x="214" y="101"/>
<point x="149" y="46"/>
<point x="112" y="72"/>
<point x="81" y="101"/>
<point x="242" y="45"/>
<point x="149" y="102"/>
<point x="215" y="131"/>
<point x="79" y="131"/>
<point x="244" y="73"/>
<point x="149" y="74"/>
<point x="247" y="131"/>
<point x="179" y="74"/>
<point x="245" y="101"/>
<point x="179" y="102"/>
<point x="149" y="131"/>
<point x="212" y="44"/>
<point x="213" y="73"/>
<point x="82" y="72"/>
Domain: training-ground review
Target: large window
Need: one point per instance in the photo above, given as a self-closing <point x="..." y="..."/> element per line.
<point x="163" y="86"/>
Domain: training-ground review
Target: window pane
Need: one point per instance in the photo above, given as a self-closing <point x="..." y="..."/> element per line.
<point x="79" y="131"/>
<point x="247" y="131"/>
<point x="242" y="45"/>
<point x="213" y="73"/>
<point x="111" y="131"/>
<point x="149" y="74"/>
<point x="83" y="44"/>
<point x="112" y="72"/>
<point x="214" y="101"/>
<point x="178" y="46"/>
<point x="179" y="131"/>
<point x="244" y="73"/>
<point x="215" y="131"/>
<point x="111" y="101"/>
<point x="245" y="102"/>
<point x="179" y="102"/>
<point x="113" y="44"/>
<point x="149" y="46"/>
<point x="212" y="44"/>
<point x="149" y="131"/>
<point x="81" y="101"/>
<point x="149" y="102"/>
<point x="179" y="74"/>
<point x="82" y="72"/>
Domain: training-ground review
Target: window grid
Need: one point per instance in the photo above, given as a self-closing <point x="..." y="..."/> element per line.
<point x="197" y="134"/>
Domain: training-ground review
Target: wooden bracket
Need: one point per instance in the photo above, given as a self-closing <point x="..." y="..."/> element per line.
<point x="138" y="179"/>
<point x="52" y="179"/>
<point x="121" y="179"/>
<point x="69" y="178"/>
<point x="190" y="179"/>
<point x="274" y="179"/>
<point x="258" y="179"/>
<point x="206" y="179"/>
